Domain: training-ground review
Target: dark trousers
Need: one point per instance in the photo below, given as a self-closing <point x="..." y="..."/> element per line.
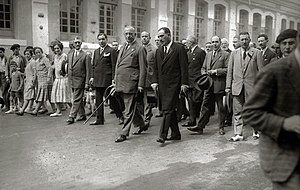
<point x="4" y="86"/>
<point x="117" y="104"/>
<point x="147" y="107"/>
<point x="77" y="104"/>
<point x="210" y="99"/>
<point x="195" y="100"/>
<point x="99" y="99"/>
<point x="133" y="113"/>
<point x="182" y="110"/>
<point x="169" y="121"/>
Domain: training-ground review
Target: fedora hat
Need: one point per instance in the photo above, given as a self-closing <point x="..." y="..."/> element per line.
<point x="203" y="82"/>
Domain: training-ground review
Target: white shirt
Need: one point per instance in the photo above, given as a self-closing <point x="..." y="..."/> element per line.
<point x="264" y="50"/>
<point x="192" y="50"/>
<point x="168" y="46"/>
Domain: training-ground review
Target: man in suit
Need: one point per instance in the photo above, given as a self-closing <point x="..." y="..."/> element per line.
<point x="274" y="109"/>
<point x="79" y="70"/>
<point x="196" y="58"/>
<point x="130" y="78"/>
<point x="170" y="76"/>
<point x="266" y="52"/>
<point x="215" y="65"/>
<point x="244" y="64"/>
<point x="104" y="62"/>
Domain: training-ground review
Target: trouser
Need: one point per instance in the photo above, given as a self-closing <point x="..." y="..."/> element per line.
<point x="133" y="113"/>
<point x="77" y="104"/>
<point x="229" y="110"/>
<point x="147" y="108"/>
<point x="169" y="121"/>
<point x="99" y="99"/>
<point x="195" y="100"/>
<point x="117" y="104"/>
<point x="182" y="110"/>
<point x="4" y="86"/>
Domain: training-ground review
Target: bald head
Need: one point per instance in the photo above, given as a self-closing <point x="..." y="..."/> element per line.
<point x="216" y="42"/>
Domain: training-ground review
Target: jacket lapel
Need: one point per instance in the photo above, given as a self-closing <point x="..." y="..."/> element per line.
<point x="169" y="54"/>
<point x="77" y="58"/>
<point x="126" y="52"/>
<point x="249" y="56"/>
<point x="219" y="54"/>
<point x="293" y="74"/>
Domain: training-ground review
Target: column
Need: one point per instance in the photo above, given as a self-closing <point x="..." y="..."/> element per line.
<point x="210" y="20"/>
<point x="90" y="21"/>
<point x="232" y="22"/>
<point x="190" y="29"/>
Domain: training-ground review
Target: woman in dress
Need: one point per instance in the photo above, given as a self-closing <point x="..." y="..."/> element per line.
<point x="29" y="90"/>
<point x="43" y="76"/>
<point x="61" y="92"/>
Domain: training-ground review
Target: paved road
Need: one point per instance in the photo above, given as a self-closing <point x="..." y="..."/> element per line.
<point x="45" y="153"/>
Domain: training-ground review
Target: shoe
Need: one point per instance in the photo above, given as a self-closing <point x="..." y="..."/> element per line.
<point x="140" y="130"/>
<point x="70" y="120"/>
<point x="160" y="140"/>
<point x="255" y="135"/>
<point x="43" y="111"/>
<point x="34" y="113"/>
<point x="236" y="138"/>
<point x="55" y="114"/>
<point x="121" y="138"/>
<point x="81" y="118"/>
<point x="96" y="123"/>
<point x="196" y="129"/>
<point x="222" y="131"/>
<point x="121" y="120"/>
<point x="9" y="111"/>
<point x="173" y="138"/>
<point x="20" y="113"/>
<point x="159" y="115"/>
<point x="188" y="124"/>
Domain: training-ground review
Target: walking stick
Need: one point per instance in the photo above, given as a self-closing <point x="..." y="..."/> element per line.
<point x="110" y="93"/>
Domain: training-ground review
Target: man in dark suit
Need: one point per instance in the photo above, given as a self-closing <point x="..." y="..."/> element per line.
<point x="196" y="58"/>
<point x="130" y="77"/>
<point x="170" y="76"/>
<point x="104" y="62"/>
<point x="267" y="53"/>
<point x="215" y="65"/>
<point x="79" y="70"/>
<point x="274" y="109"/>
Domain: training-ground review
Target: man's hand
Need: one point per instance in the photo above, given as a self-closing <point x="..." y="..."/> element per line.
<point x="91" y="80"/>
<point x="292" y="124"/>
<point x="184" y="88"/>
<point x="140" y="89"/>
<point x="211" y="72"/>
<point x="154" y="86"/>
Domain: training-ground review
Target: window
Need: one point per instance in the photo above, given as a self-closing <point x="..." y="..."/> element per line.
<point x="70" y="15"/>
<point x="219" y="20"/>
<point x="283" y="24"/>
<point x="243" y="23"/>
<point x="292" y="24"/>
<point x="178" y="20"/>
<point x="269" y="26"/>
<point x="106" y="17"/>
<point x="138" y="13"/>
<point x="200" y="23"/>
<point x="256" y="29"/>
<point x="6" y="24"/>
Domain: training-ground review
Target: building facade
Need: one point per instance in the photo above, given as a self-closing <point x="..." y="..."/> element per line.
<point x="38" y="22"/>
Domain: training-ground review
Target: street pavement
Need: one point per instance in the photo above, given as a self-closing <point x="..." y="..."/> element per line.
<point x="41" y="152"/>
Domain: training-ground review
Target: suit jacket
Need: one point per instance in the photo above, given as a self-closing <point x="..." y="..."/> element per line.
<point x="268" y="56"/>
<point x="170" y="72"/>
<point x="131" y="68"/>
<point x="151" y="50"/>
<point x="103" y="69"/>
<point x="195" y="63"/>
<point x="239" y="76"/>
<point x="276" y="97"/>
<point x="219" y="63"/>
<point x="79" y="69"/>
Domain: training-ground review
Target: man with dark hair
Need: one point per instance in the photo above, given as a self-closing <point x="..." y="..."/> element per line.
<point x="215" y="65"/>
<point x="103" y="70"/>
<point x="244" y="64"/>
<point x="130" y="77"/>
<point x="274" y="109"/>
<point x="170" y="76"/>
<point x="4" y="83"/>
<point x="267" y="54"/>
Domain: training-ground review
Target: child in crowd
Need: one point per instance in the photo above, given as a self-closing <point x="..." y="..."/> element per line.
<point x="90" y="99"/>
<point x="16" y="88"/>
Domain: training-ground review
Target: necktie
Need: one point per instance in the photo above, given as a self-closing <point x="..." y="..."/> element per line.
<point x="244" y="55"/>
<point x="214" y="54"/>
<point x="101" y="50"/>
<point x="165" y="51"/>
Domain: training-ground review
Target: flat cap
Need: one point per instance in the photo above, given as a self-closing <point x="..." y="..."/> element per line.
<point x="288" y="33"/>
<point x="13" y="47"/>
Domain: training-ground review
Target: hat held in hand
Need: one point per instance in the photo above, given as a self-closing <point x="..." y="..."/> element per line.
<point x="203" y="82"/>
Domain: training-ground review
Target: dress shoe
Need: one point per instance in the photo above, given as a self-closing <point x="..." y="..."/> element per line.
<point x="121" y="138"/>
<point x="159" y="115"/>
<point x="34" y="113"/>
<point x="19" y="113"/>
<point x="236" y="138"/>
<point x="55" y="114"/>
<point x="70" y="120"/>
<point x="43" y="111"/>
<point x="81" y="118"/>
<point x="196" y="129"/>
<point x="173" y="138"/>
<point x="160" y="140"/>
<point x="222" y="131"/>
<point x="96" y="123"/>
<point x="188" y="124"/>
<point x="140" y="130"/>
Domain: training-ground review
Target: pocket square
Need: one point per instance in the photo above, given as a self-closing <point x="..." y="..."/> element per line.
<point x="106" y="54"/>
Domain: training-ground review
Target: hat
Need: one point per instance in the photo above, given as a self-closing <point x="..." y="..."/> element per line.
<point x="13" y="47"/>
<point x="288" y="33"/>
<point x="203" y="82"/>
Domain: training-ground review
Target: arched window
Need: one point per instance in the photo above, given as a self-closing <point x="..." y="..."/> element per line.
<point x="292" y="24"/>
<point x="256" y="29"/>
<point x="243" y="22"/>
<point x="201" y="21"/>
<point x="269" y="26"/>
<point x="283" y="24"/>
<point x="219" y="20"/>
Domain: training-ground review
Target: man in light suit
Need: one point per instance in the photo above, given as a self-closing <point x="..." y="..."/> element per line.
<point x="244" y="64"/>
<point x="170" y="76"/>
<point x="130" y="78"/>
<point x="274" y="109"/>
<point x="267" y="53"/>
<point x="215" y="65"/>
<point x="79" y="70"/>
<point x="196" y="58"/>
<point x="103" y="71"/>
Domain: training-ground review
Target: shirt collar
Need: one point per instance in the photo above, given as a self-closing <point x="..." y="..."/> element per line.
<point x="193" y="48"/>
<point x="169" y="45"/>
<point x="264" y="50"/>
